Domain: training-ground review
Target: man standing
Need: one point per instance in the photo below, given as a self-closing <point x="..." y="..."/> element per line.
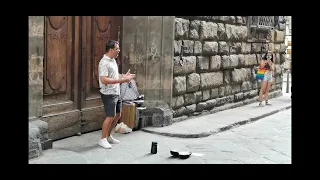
<point x="109" y="81"/>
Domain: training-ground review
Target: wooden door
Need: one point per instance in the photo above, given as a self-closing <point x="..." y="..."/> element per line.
<point x="61" y="105"/>
<point x="96" y="32"/>
<point x="74" y="46"/>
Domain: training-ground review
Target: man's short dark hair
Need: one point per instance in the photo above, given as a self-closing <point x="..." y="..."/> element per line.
<point x="111" y="44"/>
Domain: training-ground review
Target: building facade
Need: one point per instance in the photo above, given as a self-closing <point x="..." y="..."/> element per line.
<point x="184" y="65"/>
<point x="288" y="42"/>
<point x="216" y="63"/>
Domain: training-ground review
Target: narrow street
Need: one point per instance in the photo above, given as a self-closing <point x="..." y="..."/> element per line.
<point x="196" y="78"/>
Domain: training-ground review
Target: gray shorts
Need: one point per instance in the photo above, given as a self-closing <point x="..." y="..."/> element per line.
<point x="268" y="77"/>
<point x="112" y="104"/>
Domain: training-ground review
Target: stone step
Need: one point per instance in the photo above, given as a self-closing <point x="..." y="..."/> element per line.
<point x="38" y="138"/>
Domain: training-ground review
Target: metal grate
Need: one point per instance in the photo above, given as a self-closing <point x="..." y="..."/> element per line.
<point x="263" y="22"/>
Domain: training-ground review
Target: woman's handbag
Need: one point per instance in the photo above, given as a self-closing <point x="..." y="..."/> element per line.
<point x="260" y="73"/>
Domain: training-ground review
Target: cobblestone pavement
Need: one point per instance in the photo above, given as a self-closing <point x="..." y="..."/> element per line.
<point x="266" y="141"/>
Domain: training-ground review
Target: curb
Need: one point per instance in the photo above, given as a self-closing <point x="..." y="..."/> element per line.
<point x="231" y="126"/>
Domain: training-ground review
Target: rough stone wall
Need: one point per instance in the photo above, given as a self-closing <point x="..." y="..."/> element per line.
<point x="214" y="60"/>
<point x="36" y="48"/>
<point x="147" y="49"/>
<point x="38" y="129"/>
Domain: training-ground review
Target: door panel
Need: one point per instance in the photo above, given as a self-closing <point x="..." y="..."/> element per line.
<point x="60" y="102"/>
<point x="56" y="63"/>
<point x="96" y="32"/>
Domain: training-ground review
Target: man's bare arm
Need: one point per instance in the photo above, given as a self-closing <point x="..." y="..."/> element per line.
<point x="106" y="80"/>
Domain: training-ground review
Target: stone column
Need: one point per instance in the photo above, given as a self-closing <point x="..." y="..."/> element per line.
<point x="38" y="136"/>
<point x="147" y="49"/>
<point x="36" y="52"/>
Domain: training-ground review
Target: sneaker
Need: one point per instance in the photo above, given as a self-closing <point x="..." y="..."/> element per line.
<point x="261" y="104"/>
<point x="268" y="104"/>
<point x="113" y="140"/>
<point x="104" y="143"/>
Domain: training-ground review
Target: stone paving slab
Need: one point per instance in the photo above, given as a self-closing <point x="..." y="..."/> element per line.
<point x="267" y="141"/>
<point x="207" y="125"/>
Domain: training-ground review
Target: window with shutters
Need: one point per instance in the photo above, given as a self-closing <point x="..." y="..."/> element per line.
<point x="259" y="28"/>
<point x="262" y="22"/>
